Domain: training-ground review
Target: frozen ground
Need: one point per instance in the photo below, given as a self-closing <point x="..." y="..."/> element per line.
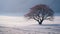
<point x="20" y="25"/>
<point x="32" y="29"/>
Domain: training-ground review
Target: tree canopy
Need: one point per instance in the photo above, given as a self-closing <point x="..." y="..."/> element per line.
<point x="40" y="12"/>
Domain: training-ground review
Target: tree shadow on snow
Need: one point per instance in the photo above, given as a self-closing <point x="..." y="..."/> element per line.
<point x="45" y="25"/>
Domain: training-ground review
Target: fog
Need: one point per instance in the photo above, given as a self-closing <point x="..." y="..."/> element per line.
<point x="12" y="11"/>
<point x="22" y="21"/>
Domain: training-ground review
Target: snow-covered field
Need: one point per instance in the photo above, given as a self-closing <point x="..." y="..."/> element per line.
<point x="20" y="25"/>
<point x="32" y="29"/>
<point x="13" y="21"/>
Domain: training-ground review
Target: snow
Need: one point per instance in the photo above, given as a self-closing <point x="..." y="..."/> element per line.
<point x="20" y="25"/>
<point x="32" y="29"/>
<point x="18" y="21"/>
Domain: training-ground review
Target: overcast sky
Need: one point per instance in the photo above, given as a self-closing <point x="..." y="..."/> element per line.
<point x="21" y="7"/>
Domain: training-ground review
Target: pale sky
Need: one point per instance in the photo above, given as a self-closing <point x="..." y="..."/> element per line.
<point x="21" y="7"/>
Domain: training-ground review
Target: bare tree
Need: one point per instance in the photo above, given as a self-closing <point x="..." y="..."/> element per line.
<point x="40" y="13"/>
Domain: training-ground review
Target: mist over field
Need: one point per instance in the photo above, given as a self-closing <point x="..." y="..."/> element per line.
<point x="22" y="21"/>
<point x="12" y="20"/>
<point x="20" y="25"/>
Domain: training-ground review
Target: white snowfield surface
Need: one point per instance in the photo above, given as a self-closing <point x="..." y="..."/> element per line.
<point x="32" y="29"/>
<point x="20" y="25"/>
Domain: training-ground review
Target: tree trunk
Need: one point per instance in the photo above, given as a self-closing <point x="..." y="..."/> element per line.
<point x="40" y="22"/>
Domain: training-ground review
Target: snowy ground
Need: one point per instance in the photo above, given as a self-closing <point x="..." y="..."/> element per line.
<point x="32" y="29"/>
<point x="44" y="29"/>
<point x="19" y="25"/>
